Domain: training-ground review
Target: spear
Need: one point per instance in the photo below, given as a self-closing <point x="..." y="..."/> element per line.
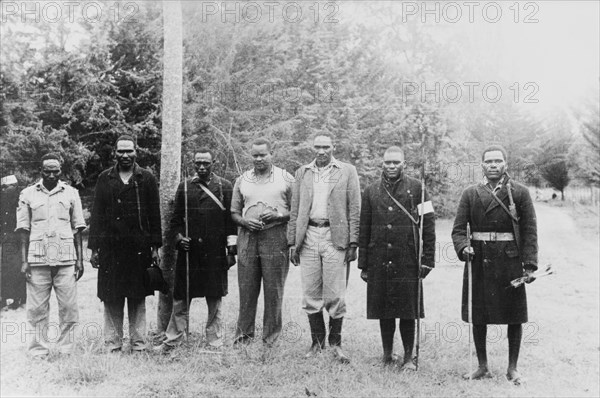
<point x="420" y="260"/>
<point x="187" y="257"/>
<point x="470" y="299"/>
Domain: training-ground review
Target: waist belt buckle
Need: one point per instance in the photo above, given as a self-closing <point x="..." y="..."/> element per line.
<point x="493" y="236"/>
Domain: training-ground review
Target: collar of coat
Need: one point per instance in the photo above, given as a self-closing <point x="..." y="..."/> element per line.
<point x="60" y="186"/>
<point x="483" y="191"/>
<point x="313" y="165"/>
<point x="498" y="186"/>
<point x="114" y="172"/>
<point x="391" y="183"/>
<point x="197" y="180"/>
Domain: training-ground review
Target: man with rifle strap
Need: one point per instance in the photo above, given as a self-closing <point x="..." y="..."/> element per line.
<point x="504" y="247"/>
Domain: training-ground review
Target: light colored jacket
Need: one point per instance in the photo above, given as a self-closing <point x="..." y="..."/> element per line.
<point x="51" y="217"/>
<point x="343" y="205"/>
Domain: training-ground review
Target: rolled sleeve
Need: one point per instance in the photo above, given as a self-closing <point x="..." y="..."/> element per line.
<point x="237" y="201"/>
<point x="77" y="219"/>
<point x="23" y="213"/>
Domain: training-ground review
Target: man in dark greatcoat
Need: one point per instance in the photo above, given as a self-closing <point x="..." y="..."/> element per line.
<point x="499" y="252"/>
<point x="125" y="234"/>
<point x="211" y="244"/>
<point x="12" y="284"/>
<point x="388" y="244"/>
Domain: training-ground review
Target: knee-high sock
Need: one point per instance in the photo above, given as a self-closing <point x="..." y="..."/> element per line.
<point x="515" y="333"/>
<point x="387" y="328"/>
<point x="407" y="332"/>
<point x="479" y="337"/>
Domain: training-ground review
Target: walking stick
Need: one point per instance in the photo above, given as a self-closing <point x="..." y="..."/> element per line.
<point x="470" y="300"/>
<point x="419" y="262"/>
<point x="187" y="259"/>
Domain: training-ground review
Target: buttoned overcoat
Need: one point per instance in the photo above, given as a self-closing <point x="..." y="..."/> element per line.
<point x="209" y="227"/>
<point x="496" y="263"/>
<point x="387" y="244"/>
<point x="125" y="223"/>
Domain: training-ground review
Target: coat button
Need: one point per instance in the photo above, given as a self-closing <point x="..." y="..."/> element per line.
<point x="389" y="245"/>
<point x="390" y="208"/>
<point x="389" y="226"/>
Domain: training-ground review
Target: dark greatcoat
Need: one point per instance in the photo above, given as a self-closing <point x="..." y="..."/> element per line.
<point x="496" y="263"/>
<point x="387" y="248"/>
<point x="208" y="266"/>
<point x="13" y="282"/>
<point x="124" y="233"/>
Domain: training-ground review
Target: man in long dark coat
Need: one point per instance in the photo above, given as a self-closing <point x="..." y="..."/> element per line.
<point x="125" y="234"/>
<point x="211" y="244"/>
<point x="388" y="245"/>
<point x="12" y="285"/>
<point x="499" y="255"/>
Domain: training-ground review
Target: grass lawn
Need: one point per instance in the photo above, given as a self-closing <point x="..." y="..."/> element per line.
<point x="560" y="354"/>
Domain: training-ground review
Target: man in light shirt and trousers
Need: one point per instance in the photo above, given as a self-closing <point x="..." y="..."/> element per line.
<point x="260" y="207"/>
<point x="50" y="221"/>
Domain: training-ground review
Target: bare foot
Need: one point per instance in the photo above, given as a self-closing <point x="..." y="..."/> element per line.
<point x="514" y="376"/>
<point x="408" y="365"/>
<point x="389" y="360"/>
<point x="480" y="373"/>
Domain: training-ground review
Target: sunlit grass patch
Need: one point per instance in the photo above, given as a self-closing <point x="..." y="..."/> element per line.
<point x="87" y="365"/>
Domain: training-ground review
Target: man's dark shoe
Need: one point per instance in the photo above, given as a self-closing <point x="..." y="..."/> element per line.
<point x="242" y="340"/>
<point x="163" y="348"/>
<point x="114" y="350"/>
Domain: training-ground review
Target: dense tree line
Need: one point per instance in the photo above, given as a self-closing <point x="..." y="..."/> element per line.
<point x="74" y="87"/>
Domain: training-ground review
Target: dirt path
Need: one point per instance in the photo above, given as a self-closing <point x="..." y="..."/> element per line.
<point x="564" y="307"/>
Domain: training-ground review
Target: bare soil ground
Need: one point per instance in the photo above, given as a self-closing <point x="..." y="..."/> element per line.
<point x="560" y="354"/>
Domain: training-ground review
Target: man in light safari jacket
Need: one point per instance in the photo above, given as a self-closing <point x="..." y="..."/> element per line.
<point x="50" y="221"/>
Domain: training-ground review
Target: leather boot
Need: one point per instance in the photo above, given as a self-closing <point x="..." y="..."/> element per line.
<point x="317" y="333"/>
<point x="335" y="339"/>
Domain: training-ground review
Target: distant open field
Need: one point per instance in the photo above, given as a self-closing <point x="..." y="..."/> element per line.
<point x="559" y="357"/>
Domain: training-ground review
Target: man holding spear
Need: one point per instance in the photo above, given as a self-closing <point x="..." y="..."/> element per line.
<point x="504" y="247"/>
<point x="392" y="235"/>
<point x="206" y="240"/>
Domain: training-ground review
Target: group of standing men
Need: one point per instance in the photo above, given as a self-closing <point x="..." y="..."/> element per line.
<point x="313" y="219"/>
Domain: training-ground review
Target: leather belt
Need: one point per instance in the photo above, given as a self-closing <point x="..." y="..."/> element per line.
<point x="493" y="236"/>
<point x="318" y="223"/>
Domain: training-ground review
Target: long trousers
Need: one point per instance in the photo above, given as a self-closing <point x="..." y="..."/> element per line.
<point x="178" y="322"/>
<point x="262" y="256"/>
<point x="113" y="323"/>
<point x="39" y="288"/>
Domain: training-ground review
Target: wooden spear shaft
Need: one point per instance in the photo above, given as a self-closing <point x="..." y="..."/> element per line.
<point x="187" y="259"/>
<point x="419" y="262"/>
<point x="470" y="300"/>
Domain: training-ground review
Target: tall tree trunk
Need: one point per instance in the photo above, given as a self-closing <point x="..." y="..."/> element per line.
<point x="170" y="160"/>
